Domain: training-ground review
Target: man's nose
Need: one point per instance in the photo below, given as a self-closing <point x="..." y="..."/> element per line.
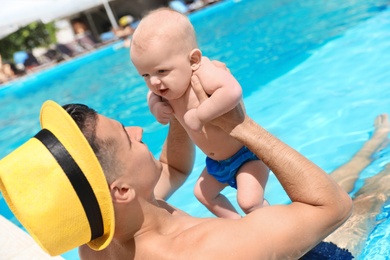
<point x="135" y="132"/>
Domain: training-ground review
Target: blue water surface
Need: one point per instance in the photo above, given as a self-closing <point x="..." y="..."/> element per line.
<point x="315" y="73"/>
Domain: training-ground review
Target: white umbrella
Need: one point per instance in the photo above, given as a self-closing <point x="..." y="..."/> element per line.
<point x="18" y="13"/>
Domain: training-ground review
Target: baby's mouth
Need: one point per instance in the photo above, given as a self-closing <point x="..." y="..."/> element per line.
<point x="163" y="91"/>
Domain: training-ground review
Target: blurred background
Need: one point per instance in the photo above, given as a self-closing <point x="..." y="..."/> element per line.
<point x="39" y="34"/>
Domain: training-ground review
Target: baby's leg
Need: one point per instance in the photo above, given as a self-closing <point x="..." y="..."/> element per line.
<point x="347" y="174"/>
<point x="207" y="191"/>
<point x="251" y="180"/>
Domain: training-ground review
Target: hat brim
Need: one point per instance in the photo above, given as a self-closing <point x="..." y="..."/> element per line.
<point x="54" y="118"/>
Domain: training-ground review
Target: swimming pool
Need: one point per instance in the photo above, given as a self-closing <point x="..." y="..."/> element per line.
<point x="314" y="73"/>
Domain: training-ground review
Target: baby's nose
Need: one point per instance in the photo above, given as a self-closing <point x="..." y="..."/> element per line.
<point x="154" y="80"/>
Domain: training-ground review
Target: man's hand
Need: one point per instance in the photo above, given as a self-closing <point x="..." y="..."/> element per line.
<point x="161" y="110"/>
<point x="226" y="122"/>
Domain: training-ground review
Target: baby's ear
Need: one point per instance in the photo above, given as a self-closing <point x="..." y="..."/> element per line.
<point x="195" y="58"/>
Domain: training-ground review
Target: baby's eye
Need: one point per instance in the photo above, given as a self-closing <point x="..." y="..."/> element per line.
<point x="145" y="75"/>
<point x="162" y="71"/>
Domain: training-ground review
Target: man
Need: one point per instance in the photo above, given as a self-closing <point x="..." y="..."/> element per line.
<point x="145" y="226"/>
<point x="168" y="233"/>
<point x="148" y="228"/>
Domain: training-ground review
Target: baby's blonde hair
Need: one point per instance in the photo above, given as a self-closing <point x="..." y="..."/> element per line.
<point x="164" y="24"/>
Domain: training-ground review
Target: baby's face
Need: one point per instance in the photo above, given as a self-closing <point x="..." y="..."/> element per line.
<point x="165" y="68"/>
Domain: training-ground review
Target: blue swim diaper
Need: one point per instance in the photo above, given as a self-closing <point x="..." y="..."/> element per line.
<point x="225" y="171"/>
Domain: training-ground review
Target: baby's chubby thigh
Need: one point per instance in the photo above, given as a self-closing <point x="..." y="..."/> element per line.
<point x="251" y="180"/>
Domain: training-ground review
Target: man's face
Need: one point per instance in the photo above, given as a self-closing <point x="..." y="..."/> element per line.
<point x="137" y="166"/>
<point x="166" y="70"/>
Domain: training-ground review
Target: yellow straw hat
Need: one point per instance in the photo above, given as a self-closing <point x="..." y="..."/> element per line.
<point x="56" y="188"/>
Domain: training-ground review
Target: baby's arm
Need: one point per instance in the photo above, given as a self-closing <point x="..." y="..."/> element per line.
<point x="161" y="110"/>
<point x="224" y="90"/>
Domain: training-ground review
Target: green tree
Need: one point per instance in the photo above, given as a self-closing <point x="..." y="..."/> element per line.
<point x="31" y="36"/>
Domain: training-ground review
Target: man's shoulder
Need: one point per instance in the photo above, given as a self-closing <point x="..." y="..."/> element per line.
<point x="171" y="209"/>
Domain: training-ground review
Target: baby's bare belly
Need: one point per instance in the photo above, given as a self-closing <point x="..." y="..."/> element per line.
<point x="215" y="143"/>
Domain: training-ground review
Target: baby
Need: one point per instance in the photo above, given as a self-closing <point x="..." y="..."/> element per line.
<point x="165" y="52"/>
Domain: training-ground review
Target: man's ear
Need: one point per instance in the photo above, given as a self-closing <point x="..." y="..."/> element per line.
<point x="121" y="192"/>
<point x="195" y="59"/>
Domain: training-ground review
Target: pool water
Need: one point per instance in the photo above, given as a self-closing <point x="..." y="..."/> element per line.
<point x="315" y="73"/>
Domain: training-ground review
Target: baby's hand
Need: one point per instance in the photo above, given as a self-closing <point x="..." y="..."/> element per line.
<point x="192" y="120"/>
<point x="162" y="111"/>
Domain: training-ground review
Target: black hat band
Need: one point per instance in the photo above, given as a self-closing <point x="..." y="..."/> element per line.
<point x="78" y="180"/>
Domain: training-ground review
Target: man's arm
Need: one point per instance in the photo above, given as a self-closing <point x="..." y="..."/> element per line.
<point x="319" y="205"/>
<point x="177" y="158"/>
<point x="160" y="109"/>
